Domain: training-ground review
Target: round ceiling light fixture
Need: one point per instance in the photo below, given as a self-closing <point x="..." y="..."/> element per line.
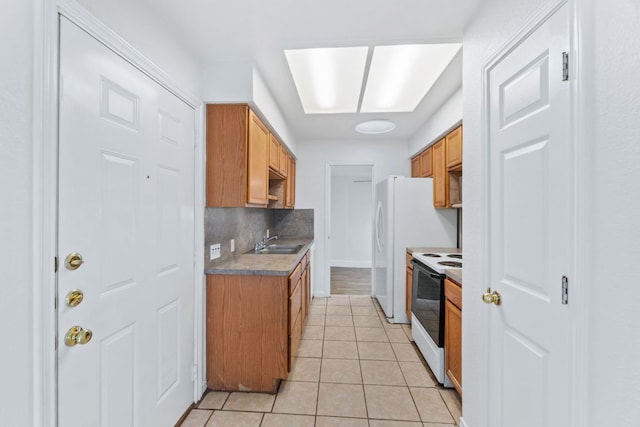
<point x="374" y="127"/>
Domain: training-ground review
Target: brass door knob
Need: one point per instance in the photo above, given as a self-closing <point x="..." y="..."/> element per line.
<point x="492" y="297"/>
<point x="74" y="298"/>
<point x="77" y="335"/>
<point x="73" y="261"/>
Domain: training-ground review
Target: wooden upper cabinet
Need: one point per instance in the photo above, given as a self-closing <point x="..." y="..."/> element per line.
<point x="237" y="157"/>
<point x="290" y="185"/>
<point x="284" y="161"/>
<point x="257" y="168"/>
<point x="415" y="167"/>
<point x="440" y="175"/>
<point x="274" y="153"/>
<point x="426" y="170"/>
<point x="454" y="149"/>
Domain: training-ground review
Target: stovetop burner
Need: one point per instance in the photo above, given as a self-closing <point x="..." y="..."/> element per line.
<point x="455" y="264"/>
<point x="456" y="256"/>
<point x="432" y="255"/>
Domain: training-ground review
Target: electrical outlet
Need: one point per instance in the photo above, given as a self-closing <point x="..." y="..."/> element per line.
<point x="214" y="251"/>
<point x="233" y="245"/>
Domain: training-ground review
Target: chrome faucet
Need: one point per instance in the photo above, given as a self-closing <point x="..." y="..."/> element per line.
<point x="263" y="243"/>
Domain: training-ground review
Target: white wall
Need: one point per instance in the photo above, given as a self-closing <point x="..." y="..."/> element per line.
<point x="612" y="56"/>
<point x="388" y="157"/>
<point x="16" y="315"/>
<point x="156" y="38"/>
<point x="609" y="97"/>
<point x="351" y="211"/>
<point x="241" y="82"/>
<point x="493" y="26"/>
<point x="18" y="362"/>
<point x="438" y="124"/>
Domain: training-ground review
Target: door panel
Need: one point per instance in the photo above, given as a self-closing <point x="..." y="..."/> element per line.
<point x="126" y="200"/>
<point x="530" y="231"/>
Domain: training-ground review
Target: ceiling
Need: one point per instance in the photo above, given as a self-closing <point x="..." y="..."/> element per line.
<point x="259" y="31"/>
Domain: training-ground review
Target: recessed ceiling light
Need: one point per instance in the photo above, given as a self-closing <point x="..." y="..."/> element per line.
<point x="328" y="80"/>
<point x="400" y="76"/>
<point x="374" y="127"/>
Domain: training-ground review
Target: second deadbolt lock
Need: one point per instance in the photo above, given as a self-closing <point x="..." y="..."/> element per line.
<point x="74" y="298"/>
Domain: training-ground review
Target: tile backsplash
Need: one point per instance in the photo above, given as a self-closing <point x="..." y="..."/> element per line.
<point x="248" y="225"/>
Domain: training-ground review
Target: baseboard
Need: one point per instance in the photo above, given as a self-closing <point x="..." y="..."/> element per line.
<point x="462" y="423"/>
<point x="350" y="264"/>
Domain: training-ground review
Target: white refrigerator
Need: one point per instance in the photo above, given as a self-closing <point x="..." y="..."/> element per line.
<point x="405" y="217"/>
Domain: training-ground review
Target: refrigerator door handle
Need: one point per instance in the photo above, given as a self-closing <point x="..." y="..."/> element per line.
<point x="379" y="227"/>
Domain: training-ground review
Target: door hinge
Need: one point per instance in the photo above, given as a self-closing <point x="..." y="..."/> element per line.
<point x="565" y="66"/>
<point x="565" y="290"/>
<point x="55" y="264"/>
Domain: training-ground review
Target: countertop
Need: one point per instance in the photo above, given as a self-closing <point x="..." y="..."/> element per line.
<point x="259" y="264"/>
<point x="454" y="274"/>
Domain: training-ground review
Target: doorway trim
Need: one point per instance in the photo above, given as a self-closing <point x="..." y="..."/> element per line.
<point x="45" y="184"/>
<point x="327" y="216"/>
<point x="579" y="289"/>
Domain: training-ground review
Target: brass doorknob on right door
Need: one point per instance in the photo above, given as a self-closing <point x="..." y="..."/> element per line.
<point x="492" y="297"/>
<point x="77" y="335"/>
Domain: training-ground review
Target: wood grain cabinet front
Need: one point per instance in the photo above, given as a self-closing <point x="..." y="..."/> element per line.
<point x="409" y="285"/>
<point x="440" y="175"/>
<point x="453" y="333"/>
<point x="254" y="326"/>
<point x="237" y="170"/>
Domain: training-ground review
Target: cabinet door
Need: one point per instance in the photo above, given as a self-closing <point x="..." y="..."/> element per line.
<point x="274" y="153"/>
<point x="426" y="170"/>
<point x="290" y="186"/>
<point x="454" y="149"/>
<point x="415" y="167"/>
<point x="440" y="175"/>
<point x="284" y="161"/>
<point x="453" y="344"/>
<point x="257" y="163"/>
<point x="409" y="290"/>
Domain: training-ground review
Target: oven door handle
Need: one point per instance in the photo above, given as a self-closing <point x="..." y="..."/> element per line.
<point x="418" y="265"/>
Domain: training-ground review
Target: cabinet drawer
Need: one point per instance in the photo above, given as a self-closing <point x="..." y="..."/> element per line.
<point x="295" y="304"/>
<point x="453" y="292"/>
<point x="294" y="278"/>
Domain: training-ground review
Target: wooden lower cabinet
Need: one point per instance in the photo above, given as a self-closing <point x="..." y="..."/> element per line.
<point x="409" y="285"/>
<point x="254" y="326"/>
<point x="453" y="333"/>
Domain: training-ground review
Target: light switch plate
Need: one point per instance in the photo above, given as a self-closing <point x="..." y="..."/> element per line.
<point x="214" y="251"/>
<point x="233" y="245"/>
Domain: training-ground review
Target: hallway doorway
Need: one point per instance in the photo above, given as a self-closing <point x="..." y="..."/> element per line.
<point x="350" y="237"/>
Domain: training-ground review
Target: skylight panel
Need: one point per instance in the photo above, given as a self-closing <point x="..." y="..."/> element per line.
<point x="328" y="80"/>
<point x="400" y="76"/>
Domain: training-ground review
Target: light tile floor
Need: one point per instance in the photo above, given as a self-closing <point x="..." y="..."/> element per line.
<point x="354" y="369"/>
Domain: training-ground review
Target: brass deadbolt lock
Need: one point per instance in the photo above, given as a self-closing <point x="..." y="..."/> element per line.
<point x="73" y="261"/>
<point x="74" y="298"/>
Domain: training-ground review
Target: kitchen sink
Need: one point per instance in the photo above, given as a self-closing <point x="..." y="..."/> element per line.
<point x="279" y="249"/>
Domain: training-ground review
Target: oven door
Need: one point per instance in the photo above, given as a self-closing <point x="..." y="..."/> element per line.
<point x="427" y="301"/>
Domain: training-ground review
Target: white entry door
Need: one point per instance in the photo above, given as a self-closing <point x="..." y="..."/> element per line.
<point x="126" y="206"/>
<point x="530" y="213"/>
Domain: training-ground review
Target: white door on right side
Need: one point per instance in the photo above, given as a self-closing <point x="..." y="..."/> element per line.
<point x="529" y="230"/>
